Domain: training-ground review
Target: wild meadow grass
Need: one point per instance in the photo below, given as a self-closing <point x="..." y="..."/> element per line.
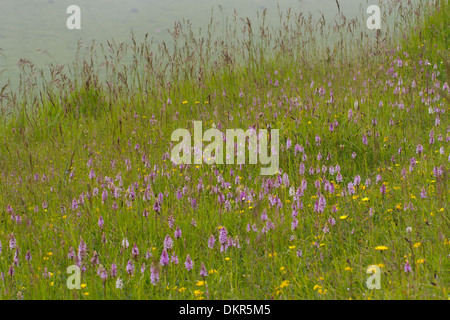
<point x="86" y="176"/>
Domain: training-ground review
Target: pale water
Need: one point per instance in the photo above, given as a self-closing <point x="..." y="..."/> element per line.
<point x="36" y="29"/>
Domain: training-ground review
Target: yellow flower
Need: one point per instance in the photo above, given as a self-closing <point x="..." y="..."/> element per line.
<point x="321" y="291"/>
<point x="227" y="259"/>
<point x="83" y="285"/>
<point x="292" y="247"/>
<point x="198" y="293"/>
<point x="420" y="261"/>
<point x="416" y="245"/>
<point x="284" y="284"/>
<point x="181" y="290"/>
<point x="343" y="217"/>
<point x="200" y="283"/>
<point x="317" y="287"/>
<point x="86" y="293"/>
<point x="365" y="199"/>
<point x="184" y="102"/>
<point x="348" y="269"/>
<point x="381" y="248"/>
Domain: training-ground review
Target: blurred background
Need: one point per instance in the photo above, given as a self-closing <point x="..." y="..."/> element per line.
<point x="36" y="29"/>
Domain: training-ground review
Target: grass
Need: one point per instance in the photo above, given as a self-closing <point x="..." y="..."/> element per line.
<point x="105" y="127"/>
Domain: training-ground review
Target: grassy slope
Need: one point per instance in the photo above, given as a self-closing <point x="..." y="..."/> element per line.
<point x="106" y="126"/>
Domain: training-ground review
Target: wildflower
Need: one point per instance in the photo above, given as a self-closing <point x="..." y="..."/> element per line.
<point x="178" y="233"/>
<point x="74" y="204"/>
<point x="189" y="264"/>
<point x="92" y="174"/>
<point x="157" y="207"/>
<point x="12" y="242"/>
<point x="11" y="271"/>
<point x="211" y="242"/>
<point x="16" y="257"/>
<point x="381" y="248"/>
<point x="28" y="256"/>
<point x="174" y="258"/>
<point x="164" y="260"/>
<point x="419" y="149"/>
<point x="288" y="143"/>
<point x="364" y="139"/>
<point x="294" y="224"/>
<point x="102" y="273"/>
<point x="168" y="243"/>
<point x="71" y="253"/>
<point x="223" y="238"/>
<point x="171" y="220"/>
<point x="383" y="189"/>
<point x="125" y="243"/>
<point x="94" y="260"/>
<point x="407" y="267"/>
<point x="119" y="283"/>
<point x="82" y="250"/>
<point x="331" y="221"/>
<point x="113" y="270"/>
<point x="200" y="283"/>
<point x="203" y="272"/>
<point x="154" y="274"/>
<point x="100" y="222"/>
<point x="130" y="267"/>
<point x="104" y="195"/>
<point x="198" y="293"/>
<point x="423" y="193"/>
<point x="135" y="251"/>
<point x="194" y="203"/>
<point x="284" y="284"/>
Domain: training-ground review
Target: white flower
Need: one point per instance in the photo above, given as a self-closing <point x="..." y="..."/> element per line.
<point x="119" y="284"/>
<point x="125" y="243"/>
<point x="291" y="191"/>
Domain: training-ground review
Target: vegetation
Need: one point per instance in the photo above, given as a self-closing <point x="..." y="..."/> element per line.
<point x="86" y="176"/>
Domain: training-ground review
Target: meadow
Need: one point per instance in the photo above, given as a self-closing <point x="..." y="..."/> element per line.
<point x="87" y="180"/>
